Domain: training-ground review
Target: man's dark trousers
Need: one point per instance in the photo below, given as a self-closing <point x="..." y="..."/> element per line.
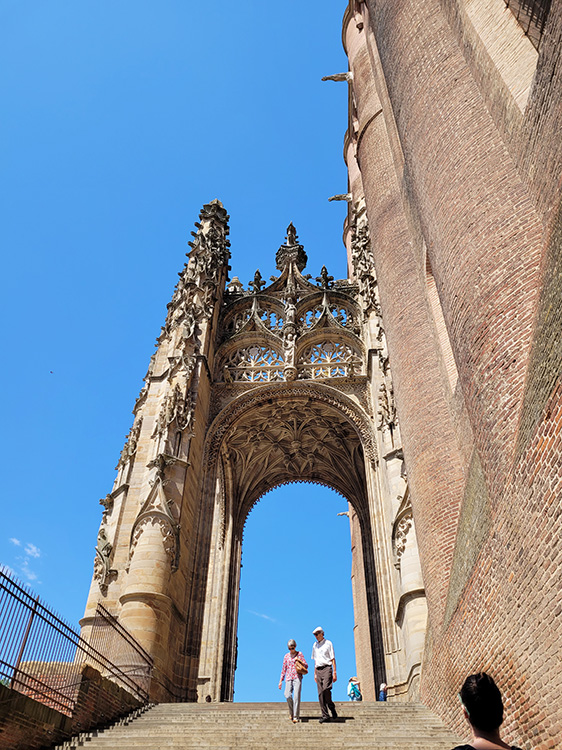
<point x="324" y="685"/>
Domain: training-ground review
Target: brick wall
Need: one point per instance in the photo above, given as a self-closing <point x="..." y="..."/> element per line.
<point x="26" y="724"/>
<point x="421" y="385"/>
<point x="484" y="462"/>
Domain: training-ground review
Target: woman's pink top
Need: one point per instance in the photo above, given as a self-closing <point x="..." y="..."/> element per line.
<point x="289" y="670"/>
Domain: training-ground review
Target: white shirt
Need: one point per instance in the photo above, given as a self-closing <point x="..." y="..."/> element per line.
<point x="323" y="653"/>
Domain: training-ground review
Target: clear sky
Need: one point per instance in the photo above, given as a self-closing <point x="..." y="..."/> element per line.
<point x="120" y="119"/>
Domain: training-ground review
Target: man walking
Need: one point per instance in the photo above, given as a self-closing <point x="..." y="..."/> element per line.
<point x="324" y="673"/>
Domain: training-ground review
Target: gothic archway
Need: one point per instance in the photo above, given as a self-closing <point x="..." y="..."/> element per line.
<point x="281" y="434"/>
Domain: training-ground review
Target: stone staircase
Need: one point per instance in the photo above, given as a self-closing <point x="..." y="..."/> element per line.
<point x="253" y="726"/>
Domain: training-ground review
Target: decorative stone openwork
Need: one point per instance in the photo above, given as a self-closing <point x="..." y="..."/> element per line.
<point x="291" y="328"/>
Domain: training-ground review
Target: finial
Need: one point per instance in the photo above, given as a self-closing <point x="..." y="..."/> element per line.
<point x="291" y="238"/>
<point x="324" y="280"/>
<point x="215" y="210"/>
<point x="257" y="283"/>
<point x="291" y="251"/>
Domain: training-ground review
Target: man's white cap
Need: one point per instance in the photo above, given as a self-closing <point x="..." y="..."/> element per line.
<point x="317" y="630"/>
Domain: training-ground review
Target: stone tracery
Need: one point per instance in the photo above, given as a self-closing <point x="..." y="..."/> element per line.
<point x="254" y="363"/>
<point x="297" y="393"/>
<point x="329" y="359"/>
<point x="271" y="445"/>
<point x="291" y="309"/>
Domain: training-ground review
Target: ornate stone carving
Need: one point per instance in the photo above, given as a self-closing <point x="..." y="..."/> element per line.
<point x="383" y="351"/>
<point x="255" y="364"/>
<point x="291" y="251"/>
<point x="271" y="325"/>
<point x="298" y="392"/>
<point x="342" y="313"/>
<point x="194" y="293"/>
<point x="107" y="503"/>
<point x="183" y="363"/>
<point x="402" y="525"/>
<point x="178" y="408"/>
<point x="257" y="283"/>
<point x="364" y="264"/>
<point x="103" y="573"/>
<point x="131" y="443"/>
<point x="347" y="77"/>
<point x="324" y="279"/>
<point x="401" y="534"/>
<point x="387" y="407"/>
<point x="235" y="286"/>
<point x="211" y="235"/>
<point x="329" y="359"/>
<point x="272" y="444"/>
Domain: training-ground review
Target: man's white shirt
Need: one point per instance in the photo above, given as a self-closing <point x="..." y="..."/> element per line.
<point x="323" y="653"/>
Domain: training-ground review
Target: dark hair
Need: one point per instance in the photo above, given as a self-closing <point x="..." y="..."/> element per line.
<point x="482" y="699"/>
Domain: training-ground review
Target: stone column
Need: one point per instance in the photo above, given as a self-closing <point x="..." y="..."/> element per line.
<point x="146" y="607"/>
<point x="411" y="613"/>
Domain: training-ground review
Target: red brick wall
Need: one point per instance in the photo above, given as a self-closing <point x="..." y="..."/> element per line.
<point x="485" y="463"/>
<point x="435" y="464"/>
<point x="26" y="724"/>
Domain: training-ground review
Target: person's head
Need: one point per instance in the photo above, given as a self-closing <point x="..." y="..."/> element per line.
<point x="482" y="702"/>
<point x="319" y="633"/>
<point x="292" y="645"/>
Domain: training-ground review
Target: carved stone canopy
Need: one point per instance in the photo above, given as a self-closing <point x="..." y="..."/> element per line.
<point x="297" y="439"/>
<point x="291" y="330"/>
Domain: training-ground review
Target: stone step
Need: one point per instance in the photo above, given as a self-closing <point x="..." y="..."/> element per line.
<point x="267" y="726"/>
<point x="325" y="745"/>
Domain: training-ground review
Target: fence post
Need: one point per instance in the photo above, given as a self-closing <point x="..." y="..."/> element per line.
<point x="24" y="642"/>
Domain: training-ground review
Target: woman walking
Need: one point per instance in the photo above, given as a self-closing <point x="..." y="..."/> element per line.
<point x="293" y="673"/>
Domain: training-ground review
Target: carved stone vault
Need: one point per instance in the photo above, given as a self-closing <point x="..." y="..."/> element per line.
<point x="249" y="389"/>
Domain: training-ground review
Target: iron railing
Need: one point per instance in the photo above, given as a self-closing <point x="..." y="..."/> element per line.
<point x="531" y="16"/>
<point x="43" y="657"/>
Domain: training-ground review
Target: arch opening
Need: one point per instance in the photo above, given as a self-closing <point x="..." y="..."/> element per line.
<point x="296" y="574"/>
<point x="292" y="438"/>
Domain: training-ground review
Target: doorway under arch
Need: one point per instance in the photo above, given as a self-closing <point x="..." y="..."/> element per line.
<point x="296" y="574"/>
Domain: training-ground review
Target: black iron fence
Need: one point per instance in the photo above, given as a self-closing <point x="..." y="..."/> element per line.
<point x="43" y="657"/>
<point x="532" y="16"/>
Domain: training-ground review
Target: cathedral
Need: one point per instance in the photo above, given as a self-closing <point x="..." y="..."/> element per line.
<point x="425" y="387"/>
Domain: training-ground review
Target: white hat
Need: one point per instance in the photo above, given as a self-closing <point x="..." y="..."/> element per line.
<point x="317" y="630"/>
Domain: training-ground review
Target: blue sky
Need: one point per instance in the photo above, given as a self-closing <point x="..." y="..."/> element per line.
<point x="119" y="121"/>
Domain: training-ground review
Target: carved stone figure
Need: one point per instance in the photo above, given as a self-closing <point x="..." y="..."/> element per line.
<point x="102" y="568"/>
